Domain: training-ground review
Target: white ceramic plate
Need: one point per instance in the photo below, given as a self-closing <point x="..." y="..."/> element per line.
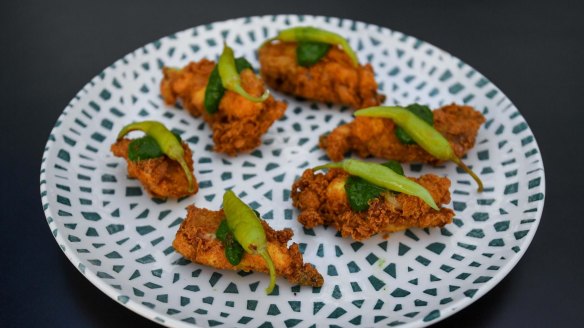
<point x="120" y="238"/>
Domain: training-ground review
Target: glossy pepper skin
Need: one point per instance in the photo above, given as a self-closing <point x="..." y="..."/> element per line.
<point x="248" y="231"/>
<point x="166" y="140"/>
<point x="313" y="34"/>
<point x="230" y="76"/>
<point x="382" y="176"/>
<point x="214" y="91"/>
<point x="423" y="134"/>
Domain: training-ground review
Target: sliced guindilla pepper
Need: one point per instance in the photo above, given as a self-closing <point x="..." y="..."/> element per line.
<point x="248" y="231"/>
<point x="423" y="134"/>
<point x="215" y="90"/>
<point x="168" y="142"/>
<point x="384" y="177"/>
<point x="421" y="111"/>
<point x="313" y="34"/>
<point x="230" y="77"/>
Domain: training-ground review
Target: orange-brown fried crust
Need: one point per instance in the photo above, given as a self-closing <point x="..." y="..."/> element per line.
<point x="334" y="79"/>
<point x="239" y="123"/>
<point x="161" y="176"/>
<point x="373" y="136"/>
<point x="196" y="241"/>
<point x="321" y="199"/>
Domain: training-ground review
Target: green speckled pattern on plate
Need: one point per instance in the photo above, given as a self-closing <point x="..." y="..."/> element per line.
<point x="121" y="239"/>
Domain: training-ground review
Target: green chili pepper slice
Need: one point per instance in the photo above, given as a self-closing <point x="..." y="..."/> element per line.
<point x="248" y="231"/>
<point x="309" y="53"/>
<point x="384" y="177"/>
<point x="360" y="192"/>
<point x="230" y="77"/>
<point x="423" y="112"/>
<point x="215" y="90"/>
<point x="424" y="134"/>
<point x="313" y="34"/>
<point x="167" y="141"/>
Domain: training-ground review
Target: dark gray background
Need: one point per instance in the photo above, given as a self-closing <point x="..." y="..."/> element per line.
<point x="532" y="50"/>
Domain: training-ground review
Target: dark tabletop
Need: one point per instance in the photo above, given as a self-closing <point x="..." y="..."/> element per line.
<point x="532" y="50"/>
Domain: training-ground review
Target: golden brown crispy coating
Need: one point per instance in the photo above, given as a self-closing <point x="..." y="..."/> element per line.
<point x="373" y="136"/>
<point x="196" y="241"/>
<point x="161" y="176"/>
<point x="239" y="123"/>
<point x="321" y="199"/>
<point x="334" y="79"/>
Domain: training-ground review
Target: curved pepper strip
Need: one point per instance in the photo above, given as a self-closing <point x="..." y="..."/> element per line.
<point x="248" y="231"/>
<point x="167" y="141"/>
<point x="423" y="134"/>
<point x="313" y="34"/>
<point x="230" y="77"/>
<point x="382" y="176"/>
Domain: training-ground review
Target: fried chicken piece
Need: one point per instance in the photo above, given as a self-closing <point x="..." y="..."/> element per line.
<point x="196" y="241"/>
<point x="321" y="199"/>
<point x="373" y="136"/>
<point x="239" y="124"/>
<point x="161" y="176"/>
<point x="334" y="79"/>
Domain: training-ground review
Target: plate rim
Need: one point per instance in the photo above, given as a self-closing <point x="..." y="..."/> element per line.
<point x="168" y="321"/>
